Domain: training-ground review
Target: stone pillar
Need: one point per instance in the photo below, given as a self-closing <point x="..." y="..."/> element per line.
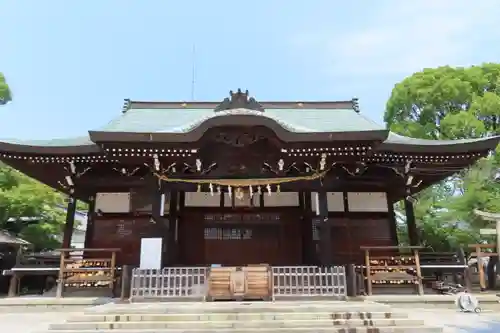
<point x="411" y="223"/>
<point x="70" y="222"/>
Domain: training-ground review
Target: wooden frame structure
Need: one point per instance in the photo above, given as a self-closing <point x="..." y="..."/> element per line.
<point x="479" y="253"/>
<point x="393" y="266"/>
<point x="90" y="271"/>
<point x="327" y="155"/>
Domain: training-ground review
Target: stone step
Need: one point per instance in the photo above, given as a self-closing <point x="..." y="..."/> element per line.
<point x="244" y="317"/>
<point x="136" y="325"/>
<point x="330" y="329"/>
<point x="238" y="307"/>
<point x="187" y="317"/>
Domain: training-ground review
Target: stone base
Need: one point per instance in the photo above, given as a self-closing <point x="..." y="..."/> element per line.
<point x="306" y="316"/>
<point x="47" y="304"/>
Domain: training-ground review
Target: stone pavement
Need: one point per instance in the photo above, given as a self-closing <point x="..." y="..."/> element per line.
<point x="453" y="320"/>
<point x="31" y="322"/>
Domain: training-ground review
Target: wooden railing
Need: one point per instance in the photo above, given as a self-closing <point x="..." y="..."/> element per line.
<point x="439" y="266"/>
<point x="392" y="270"/>
<point x="84" y="270"/>
<point x="254" y="282"/>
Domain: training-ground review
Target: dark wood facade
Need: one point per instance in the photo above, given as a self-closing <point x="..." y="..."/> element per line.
<point x="274" y="235"/>
<point x="245" y="148"/>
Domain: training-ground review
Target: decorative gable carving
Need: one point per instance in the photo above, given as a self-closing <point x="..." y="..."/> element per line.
<point x="239" y="100"/>
<point x="238" y="138"/>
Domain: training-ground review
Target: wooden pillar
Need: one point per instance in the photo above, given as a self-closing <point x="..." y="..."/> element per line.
<point x="325" y="233"/>
<point x="181" y="257"/>
<point x="303" y="249"/>
<point x="70" y="222"/>
<point x="182" y="201"/>
<point x="306" y="228"/>
<point x="393" y="226"/>
<point x="173" y="228"/>
<point x="89" y="230"/>
<point x="411" y="223"/>
<point x="222" y="200"/>
<point x="162" y="222"/>
<point x="156" y="190"/>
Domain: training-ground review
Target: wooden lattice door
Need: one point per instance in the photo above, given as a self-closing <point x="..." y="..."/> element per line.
<point x="241" y="244"/>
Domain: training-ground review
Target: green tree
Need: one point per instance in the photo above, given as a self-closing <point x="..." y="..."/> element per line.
<point x="5" y="94"/>
<point x="451" y="103"/>
<point x="29" y="209"/>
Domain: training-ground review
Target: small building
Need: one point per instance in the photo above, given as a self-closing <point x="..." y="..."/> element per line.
<point x="242" y="181"/>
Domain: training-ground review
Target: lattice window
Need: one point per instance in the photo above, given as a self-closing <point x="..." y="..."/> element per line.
<point x="245" y="218"/>
<point x="211" y="233"/>
<point x="315" y="230"/>
<point x="215" y="233"/>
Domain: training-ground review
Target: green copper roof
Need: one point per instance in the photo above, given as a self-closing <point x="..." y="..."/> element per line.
<point x="171" y="122"/>
<point x="77" y="141"/>
<point x="396" y="142"/>
<point x="394" y="138"/>
<point x="294" y="120"/>
<point x="77" y="145"/>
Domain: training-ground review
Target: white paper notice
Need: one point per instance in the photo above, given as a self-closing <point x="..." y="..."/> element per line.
<point x="151" y="249"/>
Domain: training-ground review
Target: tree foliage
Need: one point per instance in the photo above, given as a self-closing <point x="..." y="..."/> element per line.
<point x="451" y="103"/>
<point x="30" y="209"/>
<point x="5" y="94"/>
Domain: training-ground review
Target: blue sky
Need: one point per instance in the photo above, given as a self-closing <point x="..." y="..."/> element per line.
<point x="70" y="64"/>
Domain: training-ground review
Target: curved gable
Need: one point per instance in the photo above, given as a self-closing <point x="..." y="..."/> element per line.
<point x="189" y="125"/>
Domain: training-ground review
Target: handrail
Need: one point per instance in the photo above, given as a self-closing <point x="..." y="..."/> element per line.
<point x="90" y="250"/>
<point x="393" y="247"/>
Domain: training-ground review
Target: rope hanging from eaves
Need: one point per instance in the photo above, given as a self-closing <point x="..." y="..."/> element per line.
<point x="243" y="182"/>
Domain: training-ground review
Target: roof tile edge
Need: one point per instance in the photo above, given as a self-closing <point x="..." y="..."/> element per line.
<point x="319" y="105"/>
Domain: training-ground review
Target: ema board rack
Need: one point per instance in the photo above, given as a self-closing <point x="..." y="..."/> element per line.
<point x="400" y="269"/>
<point x="76" y="272"/>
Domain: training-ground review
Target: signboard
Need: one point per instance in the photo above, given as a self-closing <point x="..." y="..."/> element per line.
<point x="151" y="250"/>
<point x="488" y="231"/>
<point x="118" y="202"/>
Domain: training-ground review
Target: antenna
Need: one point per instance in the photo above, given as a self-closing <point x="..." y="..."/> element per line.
<point x="193" y="73"/>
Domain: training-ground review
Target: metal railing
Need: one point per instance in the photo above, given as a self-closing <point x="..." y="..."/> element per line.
<point x="190" y="282"/>
<point x="309" y="281"/>
<point x="169" y="282"/>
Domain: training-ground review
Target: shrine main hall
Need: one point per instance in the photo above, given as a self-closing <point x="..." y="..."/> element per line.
<point x="242" y="181"/>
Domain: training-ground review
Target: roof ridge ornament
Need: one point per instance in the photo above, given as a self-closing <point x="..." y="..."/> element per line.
<point x="239" y="100"/>
<point x="127" y="103"/>
<point x="355" y="104"/>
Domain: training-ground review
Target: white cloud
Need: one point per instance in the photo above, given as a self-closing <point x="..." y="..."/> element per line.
<point x="407" y="36"/>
